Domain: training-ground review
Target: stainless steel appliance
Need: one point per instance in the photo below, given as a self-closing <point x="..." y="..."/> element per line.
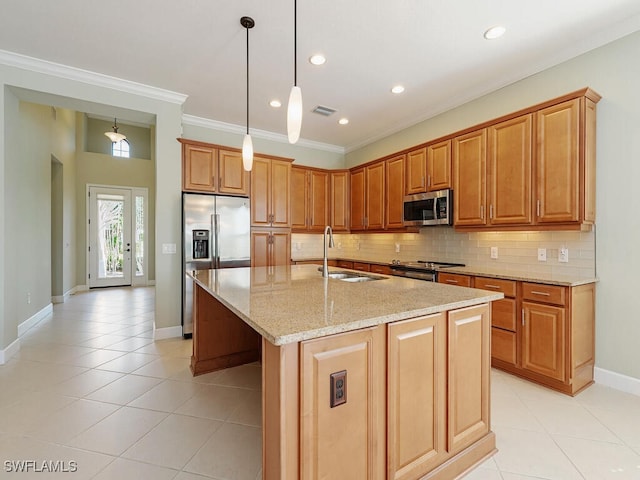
<point x="431" y="208"/>
<point x="422" y="270"/>
<point x="216" y="234"/>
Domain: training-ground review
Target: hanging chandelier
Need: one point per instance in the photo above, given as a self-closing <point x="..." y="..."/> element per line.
<point x="294" y="109"/>
<point x="113" y="135"/>
<point x="247" y="144"/>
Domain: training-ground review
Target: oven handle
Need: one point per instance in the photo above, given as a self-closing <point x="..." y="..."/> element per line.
<point x="426" y="276"/>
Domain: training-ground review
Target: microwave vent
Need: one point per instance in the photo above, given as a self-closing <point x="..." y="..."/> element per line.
<point x="322" y="110"/>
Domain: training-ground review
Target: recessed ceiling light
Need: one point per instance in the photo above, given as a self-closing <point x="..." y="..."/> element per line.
<point x="275" y="103"/>
<point x="317" y="59"/>
<point x="343" y="121"/>
<point x="398" y="89"/>
<point x="494" y="32"/>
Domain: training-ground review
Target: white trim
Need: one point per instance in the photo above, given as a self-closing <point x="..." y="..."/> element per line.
<point x="71" y="73"/>
<point x="151" y="283"/>
<point x="166" y="332"/>
<point x="617" y="381"/>
<point x="81" y="288"/>
<point x="264" y="134"/>
<point x="10" y="351"/>
<point x="34" y="320"/>
<point x="63" y="298"/>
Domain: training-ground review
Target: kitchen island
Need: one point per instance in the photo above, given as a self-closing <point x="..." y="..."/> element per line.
<point x="384" y="378"/>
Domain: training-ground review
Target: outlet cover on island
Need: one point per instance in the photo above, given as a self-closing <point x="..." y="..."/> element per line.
<point x="563" y="255"/>
<point x="494" y="252"/>
<point x="542" y="254"/>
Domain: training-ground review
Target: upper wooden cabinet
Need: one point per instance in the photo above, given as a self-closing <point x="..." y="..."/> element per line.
<point x="416" y="163"/>
<point x="439" y="166"/>
<point x="394" y="194"/>
<point x="270" y="192"/>
<point x="213" y="169"/>
<point x="309" y="199"/>
<point x="339" y="204"/>
<point x="270" y="247"/>
<point x="470" y="178"/>
<point x="358" y="198"/>
<point x="367" y="197"/>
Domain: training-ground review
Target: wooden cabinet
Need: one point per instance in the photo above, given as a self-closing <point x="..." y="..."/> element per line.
<point x="339" y="203"/>
<point x="565" y="162"/>
<point x="383" y="269"/>
<point x="270" y="192"/>
<point x="344" y="441"/>
<point x="470" y="178"/>
<point x="345" y="264"/>
<point x="416" y="164"/>
<point x="309" y="199"/>
<point x="363" y="267"/>
<point x="213" y="169"/>
<point x="416" y="423"/>
<point x="454" y="279"/>
<point x="367" y="197"/>
<point x="439" y="165"/>
<point x="394" y="194"/>
<point x="270" y="247"/>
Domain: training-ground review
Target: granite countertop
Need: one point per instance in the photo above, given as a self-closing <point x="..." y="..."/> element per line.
<point x="291" y="303"/>
<point x="524" y="276"/>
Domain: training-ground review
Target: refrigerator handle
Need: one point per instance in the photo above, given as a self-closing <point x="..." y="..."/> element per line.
<point x="215" y="227"/>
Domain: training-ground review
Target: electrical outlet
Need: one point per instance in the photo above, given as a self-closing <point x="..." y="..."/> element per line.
<point x="338" y="385"/>
<point x="494" y="252"/>
<point x="397" y="248"/>
<point x="563" y="255"/>
<point x="542" y="254"/>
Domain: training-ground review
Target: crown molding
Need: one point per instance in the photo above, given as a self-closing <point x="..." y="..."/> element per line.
<point x="256" y="133"/>
<point x="37" y="65"/>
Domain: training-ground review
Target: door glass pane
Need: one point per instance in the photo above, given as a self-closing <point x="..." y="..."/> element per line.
<point x="110" y="235"/>
<point x="139" y="236"/>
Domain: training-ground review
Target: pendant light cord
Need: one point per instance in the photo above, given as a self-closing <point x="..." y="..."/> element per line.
<point x="247" y="28"/>
<point x="295" y="43"/>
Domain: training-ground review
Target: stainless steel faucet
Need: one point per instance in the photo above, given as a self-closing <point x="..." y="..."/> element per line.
<point x="325" y="267"/>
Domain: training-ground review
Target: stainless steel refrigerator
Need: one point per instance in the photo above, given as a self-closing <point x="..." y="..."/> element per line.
<point x="216" y="234"/>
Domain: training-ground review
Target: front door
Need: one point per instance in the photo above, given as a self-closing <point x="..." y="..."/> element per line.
<point x="110" y="248"/>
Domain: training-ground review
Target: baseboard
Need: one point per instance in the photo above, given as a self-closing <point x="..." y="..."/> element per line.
<point x="10" y="351"/>
<point x="166" y="332"/>
<point x="63" y="298"/>
<point x="617" y="381"/>
<point x="151" y="283"/>
<point x="30" y="322"/>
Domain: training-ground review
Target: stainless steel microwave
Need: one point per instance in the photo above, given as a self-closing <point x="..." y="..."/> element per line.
<point x="431" y="208"/>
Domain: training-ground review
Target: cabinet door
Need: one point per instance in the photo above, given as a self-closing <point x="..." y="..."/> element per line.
<point x="299" y="198"/>
<point x="280" y="248"/>
<point x="394" y="192"/>
<point x="557" y="163"/>
<point x="375" y="196"/>
<point x="357" y="199"/>
<point x="504" y="345"/>
<point x="318" y="200"/>
<point x="469" y="178"/>
<point x="260" y="192"/>
<point x="543" y="339"/>
<point x="199" y="168"/>
<point x="260" y="248"/>
<point x="280" y="193"/>
<point x="510" y="172"/>
<point x="416" y="172"/>
<point x="439" y="166"/>
<point x="346" y="441"/>
<point x="233" y="179"/>
<point x="454" y="279"/>
<point x="416" y="423"/>
<point x="468" y="376"/>
<point x="339" y="201"/>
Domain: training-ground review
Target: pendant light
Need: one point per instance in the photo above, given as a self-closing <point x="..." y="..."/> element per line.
<point x="294" y="110"/>
<point x="247" y="144"/>
<point x="114" y="136"/>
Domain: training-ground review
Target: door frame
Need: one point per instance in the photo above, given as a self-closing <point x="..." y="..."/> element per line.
<point x="136" y="280"/>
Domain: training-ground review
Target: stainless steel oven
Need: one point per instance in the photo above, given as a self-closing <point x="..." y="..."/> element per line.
<point x="421" y="270"/>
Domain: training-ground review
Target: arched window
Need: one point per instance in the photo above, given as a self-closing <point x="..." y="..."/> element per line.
<point x="121" y="148"/>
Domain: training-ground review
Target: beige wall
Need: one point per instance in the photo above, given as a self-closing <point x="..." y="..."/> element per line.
<point x="96" y="141"/>
<point x="612" y="72"/>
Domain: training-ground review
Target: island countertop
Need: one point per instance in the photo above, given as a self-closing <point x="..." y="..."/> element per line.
<point x="291" y="303"/>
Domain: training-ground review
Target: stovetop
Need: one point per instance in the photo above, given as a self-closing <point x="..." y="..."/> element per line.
<point x="425" y="265"/>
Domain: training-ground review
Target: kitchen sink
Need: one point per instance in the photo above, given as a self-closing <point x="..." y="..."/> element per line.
<point x="354" y="277"/>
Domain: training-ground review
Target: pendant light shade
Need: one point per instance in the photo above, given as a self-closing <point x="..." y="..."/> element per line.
<point x="294" y="110"/>
<point x="247" y="144"/>
<point x="294" y="114"/>
<point x="114" y="136"/>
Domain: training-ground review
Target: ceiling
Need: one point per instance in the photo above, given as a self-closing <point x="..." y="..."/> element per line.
<point x="434" y="48"/>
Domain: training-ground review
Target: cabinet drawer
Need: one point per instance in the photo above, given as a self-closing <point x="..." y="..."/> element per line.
<point x="344" y="264"/>
<point x="503" y="314"/>
<point x="384" y="269"/>
<point x="508" y="287"/>
<point x="364" y="267"/>
<point x="538" y="292"/>
<point x="454" y="279"/>
<point x="503" y="345"/>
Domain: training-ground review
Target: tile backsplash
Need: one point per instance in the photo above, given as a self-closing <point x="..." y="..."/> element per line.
<point x="516" y="250"/>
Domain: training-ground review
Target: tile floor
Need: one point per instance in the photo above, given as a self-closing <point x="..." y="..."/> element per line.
<point x="92" y="387"/>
